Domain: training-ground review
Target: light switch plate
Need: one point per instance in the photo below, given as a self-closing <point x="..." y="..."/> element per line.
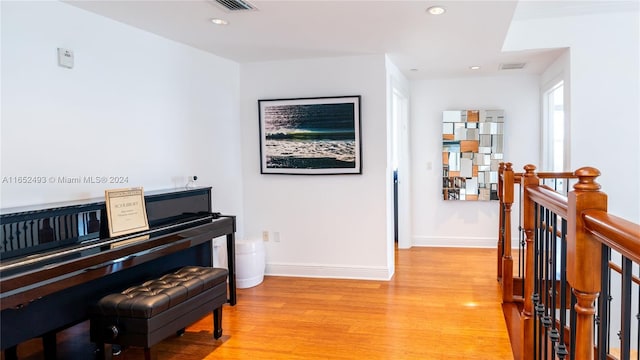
<point x="65" y="58"/>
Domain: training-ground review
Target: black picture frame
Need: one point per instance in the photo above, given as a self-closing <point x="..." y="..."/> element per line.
<point x="310" y="136"/>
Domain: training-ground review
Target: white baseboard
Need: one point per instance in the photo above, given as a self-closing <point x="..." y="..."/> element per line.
<point x="329" y="271"/>
<point x="463" y="242"/>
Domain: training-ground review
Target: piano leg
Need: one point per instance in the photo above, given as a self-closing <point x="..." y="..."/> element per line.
<point x="231" y="261"/>
<point x="11" y="353"/>
<point x="105" y="351"/>
<point x="49" y="345"/>
<point x="217" y="323"/>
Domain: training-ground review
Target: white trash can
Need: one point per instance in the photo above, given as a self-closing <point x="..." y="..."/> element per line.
<point x="250" y="263"/>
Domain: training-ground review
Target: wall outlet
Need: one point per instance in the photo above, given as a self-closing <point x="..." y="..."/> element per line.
<point x="265" y="235"/>
<point x="276" y="236"/>
<point x="191" y="181"/>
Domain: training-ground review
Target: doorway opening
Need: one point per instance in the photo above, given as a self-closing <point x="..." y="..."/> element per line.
<point x="400" y="168"/>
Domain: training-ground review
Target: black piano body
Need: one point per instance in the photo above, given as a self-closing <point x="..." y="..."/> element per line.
<point x="55" y="261"/>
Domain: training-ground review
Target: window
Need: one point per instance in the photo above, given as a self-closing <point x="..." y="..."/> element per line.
<point x="553" y="140"/>
<point x="555" y="136"/>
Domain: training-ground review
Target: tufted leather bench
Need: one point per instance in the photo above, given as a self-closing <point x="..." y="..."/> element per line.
<point x="146" y="314"/>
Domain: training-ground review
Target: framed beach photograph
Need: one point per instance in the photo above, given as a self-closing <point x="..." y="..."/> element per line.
<point x="310" y="136"/>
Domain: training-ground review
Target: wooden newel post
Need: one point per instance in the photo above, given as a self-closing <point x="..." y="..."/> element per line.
<point x="530" y="179"/>
<point x="500" y="221"/>
<point x="507" y="260"/>
<point x="583" y="252"/>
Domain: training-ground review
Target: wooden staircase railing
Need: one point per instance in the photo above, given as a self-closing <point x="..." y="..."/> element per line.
<point x="567" y="268"/>
<point x="513" y="287"/>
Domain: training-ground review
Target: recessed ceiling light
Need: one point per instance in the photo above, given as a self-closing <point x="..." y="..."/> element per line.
<point x="436" y="10"/>
<point x="219" y="21"/>
<point x="475" y="67"/>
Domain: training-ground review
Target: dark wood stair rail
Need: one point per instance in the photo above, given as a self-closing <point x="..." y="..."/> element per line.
<point x="589" y="228"/>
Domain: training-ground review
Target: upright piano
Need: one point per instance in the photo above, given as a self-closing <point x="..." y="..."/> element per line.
<point x="57" y="260"/>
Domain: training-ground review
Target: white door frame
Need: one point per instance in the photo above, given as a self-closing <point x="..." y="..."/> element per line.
<point x="401" y="155"/>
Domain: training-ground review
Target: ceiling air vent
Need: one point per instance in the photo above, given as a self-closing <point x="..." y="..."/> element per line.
<point x="235" y="5"/>
<point x="512" y="66"/>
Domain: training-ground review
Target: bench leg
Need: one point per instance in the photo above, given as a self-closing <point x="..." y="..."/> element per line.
<point x="217" y="323"/>
<point x="49" y="345"/>
<point x="150" y="353"/>
<point x="11" y="353"/>
<point x="104" y="351"/>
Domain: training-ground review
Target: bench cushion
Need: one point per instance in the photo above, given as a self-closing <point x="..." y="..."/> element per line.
<point x="155" y="296"/>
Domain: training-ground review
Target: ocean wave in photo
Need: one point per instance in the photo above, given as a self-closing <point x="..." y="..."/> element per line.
<point x="320" y="119"/>
<point x="310" y="154"/>
<point x="286" y="162"/>
<point x="313" y="135"/>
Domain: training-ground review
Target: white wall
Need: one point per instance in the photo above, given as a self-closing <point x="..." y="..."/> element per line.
<point x="134" y="105"/>
<point x="329" y="225"/>
<point x="437" y="222"/>
<point x="605" y="92"/>
<point x="559" y="70"/>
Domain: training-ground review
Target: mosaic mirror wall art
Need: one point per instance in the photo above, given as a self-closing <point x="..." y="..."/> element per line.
<point x="472" y="149"/>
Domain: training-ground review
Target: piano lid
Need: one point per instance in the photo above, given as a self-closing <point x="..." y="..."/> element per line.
<point x="19" y="210"/>
<point x="39" y="229"/>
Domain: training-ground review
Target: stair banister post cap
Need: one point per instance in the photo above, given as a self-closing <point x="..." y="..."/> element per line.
<point x="508" y="166"/>
<point x="529" y="169"/>
<point x="587" y="179"/>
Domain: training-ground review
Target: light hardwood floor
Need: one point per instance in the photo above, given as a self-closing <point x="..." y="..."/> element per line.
<point x="442" y="303"/>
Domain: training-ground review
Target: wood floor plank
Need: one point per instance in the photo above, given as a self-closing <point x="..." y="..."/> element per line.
<point x="442" y="303"/>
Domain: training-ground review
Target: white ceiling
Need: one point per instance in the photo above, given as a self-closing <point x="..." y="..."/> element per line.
<point x="469" y="33"/>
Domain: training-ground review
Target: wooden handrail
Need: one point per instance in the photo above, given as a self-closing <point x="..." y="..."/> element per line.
<point x="548" y="198"/>
<point x="617" y="268"/>
<point x="619" y="234"/>
<point x="556" y="175"/>
<point x="547" y="175"/>
<point x="517" y="178"/>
